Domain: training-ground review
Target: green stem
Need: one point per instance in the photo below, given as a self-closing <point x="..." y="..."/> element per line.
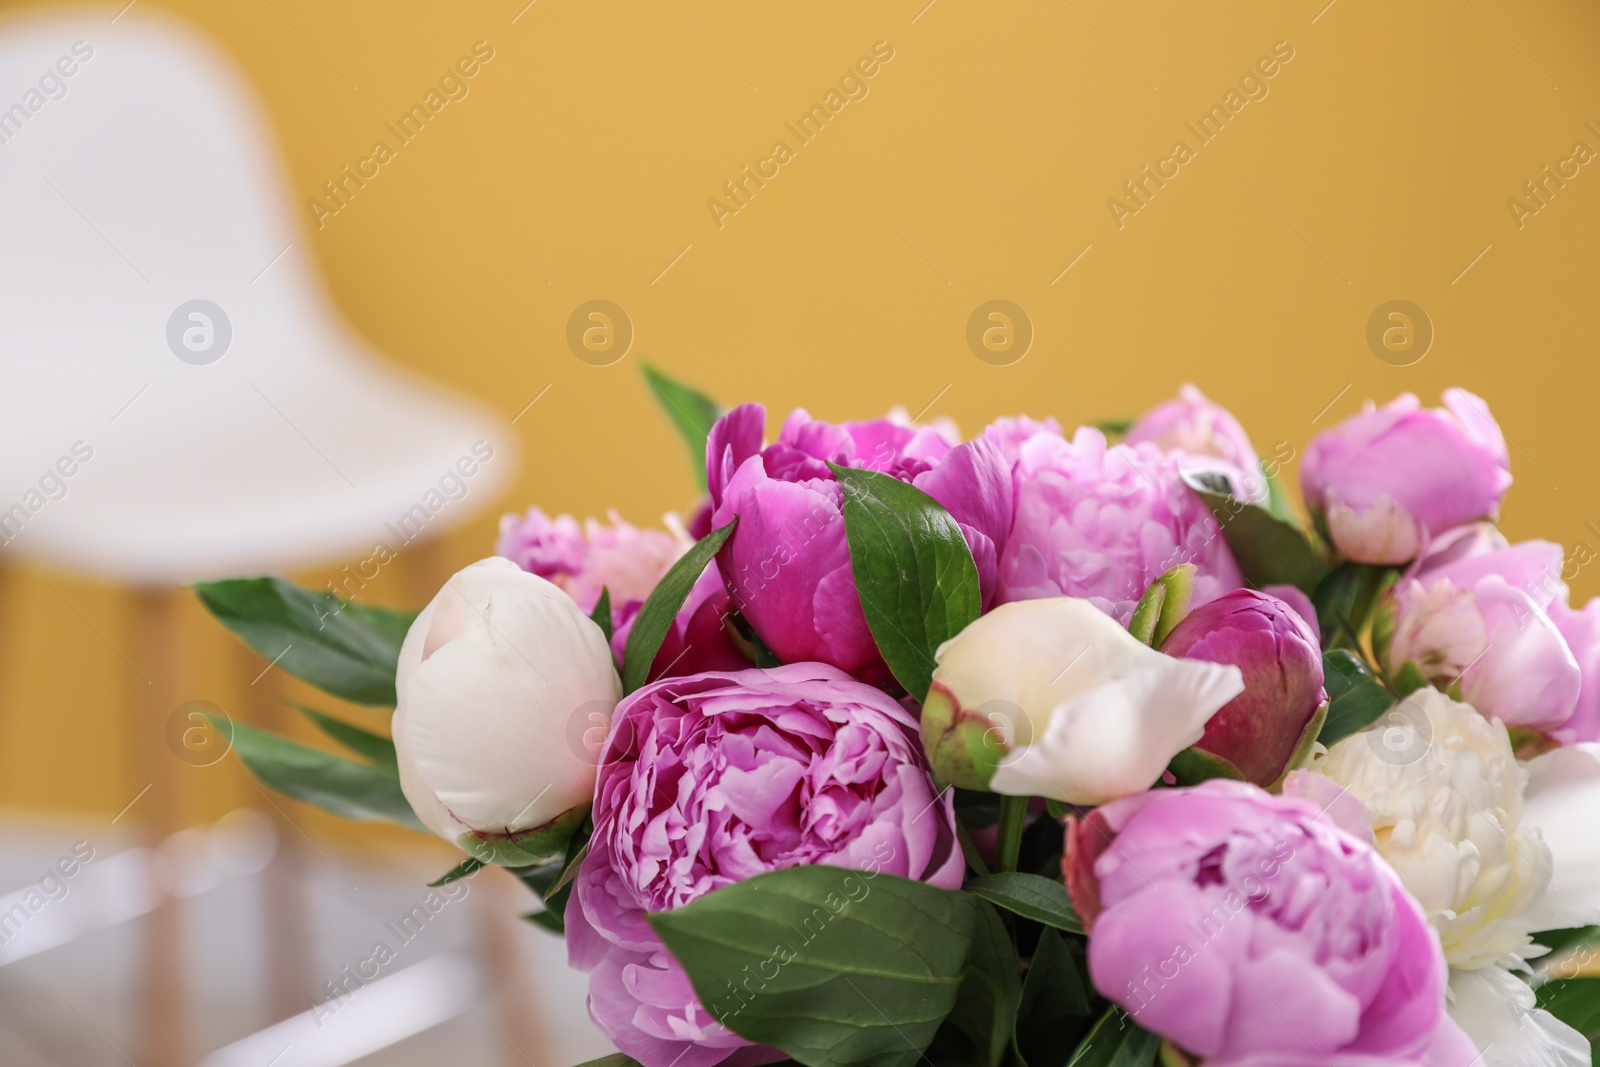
<point x="1008" y="835"/>
<point x="970" y="851"/>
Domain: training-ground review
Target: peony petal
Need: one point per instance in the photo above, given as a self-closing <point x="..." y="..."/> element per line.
<point x="1496" y="1010"/>
<point x="494" y="676"/>
<point x="1561" y="800"/>
<point x="1526" y="675"/>
<point x="1117" y="739"/>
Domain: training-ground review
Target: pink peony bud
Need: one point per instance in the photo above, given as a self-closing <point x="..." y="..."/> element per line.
<point x="1388" y="480"/>
<point x="1193" y="425"/>
<point x="1262" y="730"/>
<point x="1475" y="613"/>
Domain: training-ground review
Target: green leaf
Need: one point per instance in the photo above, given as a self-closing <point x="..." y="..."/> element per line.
<point x="1195" y="765"/>
<point x="1277" y="499"/>
<point x="1270" y="550"/>
<point x="576" y="854"/>
<point x="534" y="846"/>
<point x="850" y="967"/>
<point x="616" y="1059"/>
<point x="540" y="880"/>
<point x="351" y="790"/>
<point x="375" y="747"/>
<point x="1114" y="427"/>
<point x="551" y="919"/>
<point x="1575" y="1001"/>
<point x="341" y="648"/>
<point x="1116" y="1041"/>
<point x="665" y="601"/>
<point x="1301" y="756"/>
<point x="1055" y="1005"/>
<point x="601" y="615"/>
<point x="913" y="570"/>
<point x="1355" y="699"/>
<point x="1163" y="605"/>
<point x="691" y="411"/>
<point x="1032" y="896"/>
<point x="1409" y="678"/>
<point x="1571" y="937"/>
<point x="1345" y="600"/>
<point x="979" y="1028"/>
<point x="465" y="869"/>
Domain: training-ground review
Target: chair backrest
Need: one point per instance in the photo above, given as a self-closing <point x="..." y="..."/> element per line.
<point x="160" y="312"/>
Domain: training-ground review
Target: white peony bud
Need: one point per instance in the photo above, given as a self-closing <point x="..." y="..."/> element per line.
<point x="1052" y="698"/>
<point x="491" y="675"/>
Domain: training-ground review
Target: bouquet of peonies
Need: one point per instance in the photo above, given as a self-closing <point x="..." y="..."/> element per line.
<point x="1030" y="750"/>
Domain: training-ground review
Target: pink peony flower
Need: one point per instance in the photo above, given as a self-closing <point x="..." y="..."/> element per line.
<point x="1479" y="611"/>
<point x="581" y="560"/>
<point x="788" y="563"/>
<point x="1101" y="522"/>
<point x="1010" y="433"/>
<point x="1194" y="426"/>
<point x="719" y="777"/>
<point x="1250" y="931"/>
<point x="1391" y="478"/>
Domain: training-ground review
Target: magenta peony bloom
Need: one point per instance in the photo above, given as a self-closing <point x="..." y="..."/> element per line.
<point x="697" y="641"/>
<point x="1102" y="522"/>
<point x="1478" y="611"/>
<point x="788" y="564"/>
<point x="1193" y="425"/>
<point x="719" y="777"/>
<point x="1249" y="930"/>
<point x="581" y="560"/>
<point x="1388" y="480"/>
<point x="1260" y="730"/>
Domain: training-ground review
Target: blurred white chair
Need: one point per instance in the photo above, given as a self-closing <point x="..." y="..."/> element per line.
<point x="178" y="398"/>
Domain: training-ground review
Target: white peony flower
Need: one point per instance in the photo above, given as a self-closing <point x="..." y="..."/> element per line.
<point x="1053" y="698"/>
<point x="1493" y="849"/>
<point x="495" y="676"/>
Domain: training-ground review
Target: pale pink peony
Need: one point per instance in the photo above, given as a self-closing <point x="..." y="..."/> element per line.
<point x="1101" y="522"/>
<point x="1193" y="425"/>
<point x="580" y="560"/>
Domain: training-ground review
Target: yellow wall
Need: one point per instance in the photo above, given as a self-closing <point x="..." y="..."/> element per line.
<point x="978" y="167"/>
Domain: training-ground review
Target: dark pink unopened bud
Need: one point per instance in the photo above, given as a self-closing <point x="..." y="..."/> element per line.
<point x="1260" y="730"/>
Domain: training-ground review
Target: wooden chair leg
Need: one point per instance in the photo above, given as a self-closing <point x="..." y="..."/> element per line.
<point x="286" y="912"/>
<point x="163" y="1019"/>
<point x="516" y="1008"/>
